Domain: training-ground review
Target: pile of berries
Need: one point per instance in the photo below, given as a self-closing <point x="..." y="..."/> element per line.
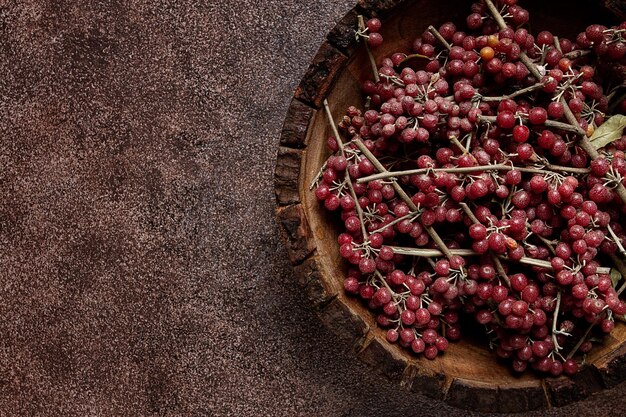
<point x="471" y="192"/>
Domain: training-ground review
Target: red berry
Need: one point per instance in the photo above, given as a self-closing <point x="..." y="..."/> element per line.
<point x="555" y="110"/>
<point x="538" y="184"/>
<point x="392" y="335"/>
<point x="505" y="119"/>
<point x="474" y="21"/>
<point x="374" y="40"/>
<point x="595" y="33"/>
<point x="373" y="24"/>
<point x="521" y="133"/>
<point x="478" y="231"/>
<point x="497" y="242"/>
<point x="525" y="151"/>
<point x="537" y="115"/>
<point x="545" y="38"/>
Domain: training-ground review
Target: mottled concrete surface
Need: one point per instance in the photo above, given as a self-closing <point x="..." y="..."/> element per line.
<point x="142" y="272"/>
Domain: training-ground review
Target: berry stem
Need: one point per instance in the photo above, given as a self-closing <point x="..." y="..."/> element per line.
<point x="394" y="296"/>
<point x="549" y="123"/>
<point x="479" y="168"/>
<point x="530" y="65"/>
<point x="557" y="44"/>
<point x="438" y="241"/>
<point x="581" y="341"/>
<point x="463" y="149"/>
<point x="534" y="262"/>
<point x="459" y="170"/>
<point x="440" y="38"/>
<point x="616" y="239"/>
<point x="514" y="94"/>
<point x="500" y="270"/>
<point x="333" y="126"/>
<point x="436" y="253"/>
<point x="370" y="56"/>
<point x="554" y="322"/>
<point x="359" y="210"/>
<point x="369" y="155"/>
<point x="621" y="191"/>
<point x="559" y="168"/>
<point x="468" y="211"/>
<point x="547" y="243"/>
<point x="584" y="142"/>
<point x="431" y="253"/>
<point x="577" y="53"/>
<point x="398" y="220"/>
<point x="412" y="56"/>
<point x="317" y="178"/>
<point x="496" y="14"/>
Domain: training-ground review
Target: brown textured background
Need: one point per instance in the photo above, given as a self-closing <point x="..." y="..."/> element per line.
<point x="141" y="269"/>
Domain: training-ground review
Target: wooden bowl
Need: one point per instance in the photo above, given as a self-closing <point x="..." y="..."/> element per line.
<point x="467" y="375"/>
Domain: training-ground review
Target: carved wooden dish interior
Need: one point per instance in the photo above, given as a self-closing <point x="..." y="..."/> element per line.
<point x="468" y="374"/>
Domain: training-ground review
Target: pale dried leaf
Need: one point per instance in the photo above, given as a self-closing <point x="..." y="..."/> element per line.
<point x="615" y="277"/>
<point x="609" y="131"/>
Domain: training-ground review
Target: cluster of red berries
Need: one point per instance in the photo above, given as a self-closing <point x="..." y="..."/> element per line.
<point x="471" y="193"/>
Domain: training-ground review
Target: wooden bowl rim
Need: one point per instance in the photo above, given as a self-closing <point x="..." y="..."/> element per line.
<point x="338" y="312"/>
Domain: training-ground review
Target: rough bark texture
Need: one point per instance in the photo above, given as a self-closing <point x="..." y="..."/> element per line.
<point x="377" y="355"/>
<point x="321" y="74"/>
<point x="286" y="175"/>
<point x="379" y="5"/>
<point x="434" y="385"/>
<point x="346" y="323"/>
<point x="342" y="36"/>
<point x="319" y="294"/>
<point x="469" y="394"/>
<point x="296" y="124"/>
<point x="611" y="369"/>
